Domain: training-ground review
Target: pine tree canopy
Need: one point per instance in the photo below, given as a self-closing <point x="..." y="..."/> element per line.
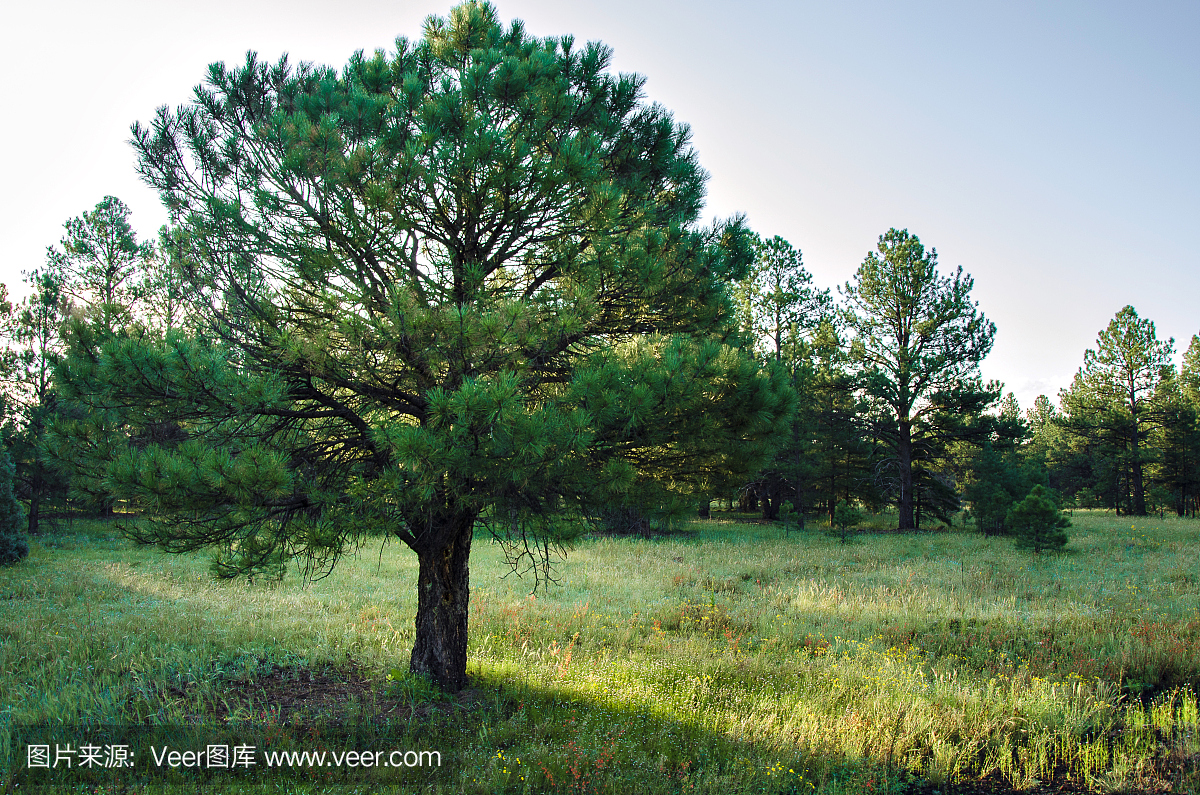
<point x="461" y="283"/>
<point x="781" y="307"/>
<point x="98" y="258"/>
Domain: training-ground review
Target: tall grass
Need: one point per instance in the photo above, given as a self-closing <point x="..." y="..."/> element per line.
<point x="732" y="659"/>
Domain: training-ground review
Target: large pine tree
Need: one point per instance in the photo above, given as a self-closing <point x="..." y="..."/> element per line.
<point x="461" y="284"/>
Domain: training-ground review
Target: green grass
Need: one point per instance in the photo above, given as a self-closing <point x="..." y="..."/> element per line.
<point x="729" y="660"/>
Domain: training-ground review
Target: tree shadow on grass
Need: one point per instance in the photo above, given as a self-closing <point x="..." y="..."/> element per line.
<point x="503" y="734"/>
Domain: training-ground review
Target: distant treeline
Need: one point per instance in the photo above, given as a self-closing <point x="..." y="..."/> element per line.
<point x="880" y="389"/>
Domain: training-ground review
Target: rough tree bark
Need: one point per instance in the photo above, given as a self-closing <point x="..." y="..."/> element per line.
<point x="443" y="595"/>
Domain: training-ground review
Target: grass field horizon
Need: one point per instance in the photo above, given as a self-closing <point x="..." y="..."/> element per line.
<point x="730" y="658"/>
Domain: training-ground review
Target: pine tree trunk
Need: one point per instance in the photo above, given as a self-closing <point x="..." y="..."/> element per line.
<point x="443" y="592"/>
<point x="35" y="503"/>
<point x="904" y="461"/>
<point x="37" y="480"/>
<point x="1139" y="485"/>
<point x="770" y="508"/>
<point x="832" y="492"/>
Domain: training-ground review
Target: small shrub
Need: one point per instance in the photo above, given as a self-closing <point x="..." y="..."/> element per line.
<point x="1037" y="522"/>
<point x="846" y="517"/>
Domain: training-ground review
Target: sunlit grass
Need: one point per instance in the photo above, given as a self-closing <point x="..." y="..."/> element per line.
<point x="730" y="660"/>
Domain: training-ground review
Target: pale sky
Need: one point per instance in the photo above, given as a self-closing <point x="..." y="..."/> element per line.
<point x="1050" y="148"/>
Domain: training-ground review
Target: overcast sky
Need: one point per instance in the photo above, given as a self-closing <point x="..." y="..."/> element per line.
<point x="1050" y="148"/>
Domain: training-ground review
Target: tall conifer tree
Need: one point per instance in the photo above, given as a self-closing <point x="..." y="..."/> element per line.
<point x="781" y="311"/>
<point x="35" y="330"/>
<point x="459" y="285"/>
<point x="918" y="339"/>
<point x="1111" y="401"/>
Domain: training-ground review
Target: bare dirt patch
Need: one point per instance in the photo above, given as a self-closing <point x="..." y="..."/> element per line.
<point x="297" y="694"/>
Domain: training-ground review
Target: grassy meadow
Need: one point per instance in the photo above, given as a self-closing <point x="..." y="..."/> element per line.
<point x="728" y="659"/>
